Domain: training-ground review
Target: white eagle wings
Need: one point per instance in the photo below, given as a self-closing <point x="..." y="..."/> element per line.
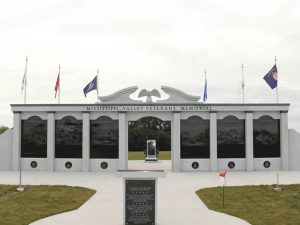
<point x="149" y="94"/>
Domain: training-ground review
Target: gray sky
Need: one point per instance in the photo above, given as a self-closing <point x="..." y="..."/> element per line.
<point x="149" y="44"/>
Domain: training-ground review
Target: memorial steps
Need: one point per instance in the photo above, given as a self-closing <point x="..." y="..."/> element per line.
<point x="143" y="165"/>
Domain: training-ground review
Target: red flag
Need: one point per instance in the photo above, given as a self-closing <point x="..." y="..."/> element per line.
<point x="56" y="85"/>
<point x="222" y="174"/>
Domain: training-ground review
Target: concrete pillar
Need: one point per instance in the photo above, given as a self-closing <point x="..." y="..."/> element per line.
<point x="16" y="154"/>
<point x="284" y="140"/>
<point x="249" y="141"/>
<point x="85" y="142"/>
<point x="213" y="141"/>
<point x="123" y="142"/>
<point x="175" y="145"/>
<point x="50" y="141"/>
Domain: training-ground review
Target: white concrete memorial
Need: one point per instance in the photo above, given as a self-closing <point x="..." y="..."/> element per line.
<point x="204" y="137"/>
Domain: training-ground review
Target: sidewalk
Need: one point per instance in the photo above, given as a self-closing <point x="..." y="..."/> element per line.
<point x="177" y="201"/>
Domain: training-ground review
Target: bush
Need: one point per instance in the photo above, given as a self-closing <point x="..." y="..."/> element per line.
<point x="3" y="129"/>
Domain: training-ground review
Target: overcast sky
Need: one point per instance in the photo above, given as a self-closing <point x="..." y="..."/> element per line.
<point x="149" y="44"/>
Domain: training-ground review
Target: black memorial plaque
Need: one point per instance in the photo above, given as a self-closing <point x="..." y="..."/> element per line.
<point x="151" y="148"/>
<point x="140" y="202"/>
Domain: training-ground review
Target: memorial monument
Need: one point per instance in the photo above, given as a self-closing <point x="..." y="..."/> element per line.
<point x="204" y="136"/>
<point x="151" y="151"/>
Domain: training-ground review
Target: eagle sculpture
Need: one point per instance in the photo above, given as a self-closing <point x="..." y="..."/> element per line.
<point x="149" y="94"/>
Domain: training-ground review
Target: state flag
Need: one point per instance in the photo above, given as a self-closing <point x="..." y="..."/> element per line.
<point x="56" y="88"/>
<point x="90" y="86"/>
<point x="271" y="77"/>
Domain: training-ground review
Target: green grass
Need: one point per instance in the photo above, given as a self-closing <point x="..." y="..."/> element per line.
<point x="139" y="155"/>
<point x="36" y="202"/>
<point x="259" y="205"/>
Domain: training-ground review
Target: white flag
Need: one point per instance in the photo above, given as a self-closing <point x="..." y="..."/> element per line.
<point x="23" y="83"/>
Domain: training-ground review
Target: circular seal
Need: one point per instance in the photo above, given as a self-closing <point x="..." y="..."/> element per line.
<point x="195" y="165"/>
<point x="267" y="164"/>
<point x="231" y="165"/>
<point x="104" y="165"/>
<point x="33" y="164"/>
<point x="68" y="165"/>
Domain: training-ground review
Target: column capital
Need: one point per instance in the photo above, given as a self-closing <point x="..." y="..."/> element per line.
<point x="248" y="111"/>
<point x="284" y="111"/>
<point x="213" y="111"/>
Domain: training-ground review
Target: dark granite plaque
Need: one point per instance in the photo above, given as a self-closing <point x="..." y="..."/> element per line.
<point x="151" y="148"/>
<point x="140" y="202"/>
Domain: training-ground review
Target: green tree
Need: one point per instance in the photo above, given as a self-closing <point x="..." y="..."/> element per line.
<point x="149" y="128"/>
<point x="3" y="129"/>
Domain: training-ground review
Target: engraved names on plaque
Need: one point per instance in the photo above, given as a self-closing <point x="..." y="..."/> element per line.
<point x="140" y="202"/>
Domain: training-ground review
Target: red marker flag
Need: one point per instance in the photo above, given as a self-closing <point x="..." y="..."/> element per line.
<point x="56" y="85"/>
<point x="222" y="174"/>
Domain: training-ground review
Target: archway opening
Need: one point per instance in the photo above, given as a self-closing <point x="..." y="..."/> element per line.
<point x="145" y="130"/>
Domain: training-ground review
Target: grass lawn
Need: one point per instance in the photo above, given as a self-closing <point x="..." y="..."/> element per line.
<point x="36" y="202"/>
<point x="139" y="155"/>
<point x="258" y="205"/>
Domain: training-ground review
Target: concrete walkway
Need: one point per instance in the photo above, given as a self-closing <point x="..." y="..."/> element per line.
<point x="177" y="201"/>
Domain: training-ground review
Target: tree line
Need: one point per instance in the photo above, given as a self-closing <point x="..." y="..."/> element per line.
<point x="149" y="128"/>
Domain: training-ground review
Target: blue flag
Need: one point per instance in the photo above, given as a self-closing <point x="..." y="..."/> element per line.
<point x="205" y="91"/>
<point x="90" y="86"/>
<point x="271" y="77"/>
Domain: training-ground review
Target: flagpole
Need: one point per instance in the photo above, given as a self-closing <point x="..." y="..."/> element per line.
<point x="243" y="84"/>
<point x="59" y="84"/>
<point x="25" y="84"/>
<point x="224" y="193"/>
<point x="97" y="84"/>
<point x="277" y="81"/>
<point x="205" y="86"/>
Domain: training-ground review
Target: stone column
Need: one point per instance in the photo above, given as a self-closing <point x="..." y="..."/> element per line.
<point x="213" y="141"/>
<point x="249" y="141"/>
<point x="175" y="145"/>
<point x="85" y="141"/>
<point x="50" y="141"/>
<point x="284" y="142"/>
<point x="123" y="142"/>
<point x="16" y="154"/>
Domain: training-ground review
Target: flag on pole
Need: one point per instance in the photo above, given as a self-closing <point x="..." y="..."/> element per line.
<point x="222" y="174"/>
<point x="24" y="80"/>
<point x="23" y="83"/>
<point x="205" y="90"/>
<point x="90" y="86"/>
<point x="57" y="85"/>
<point x="271" y="77"/>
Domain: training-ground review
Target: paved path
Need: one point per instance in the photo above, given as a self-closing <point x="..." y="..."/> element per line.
<point x="177" y="201"/>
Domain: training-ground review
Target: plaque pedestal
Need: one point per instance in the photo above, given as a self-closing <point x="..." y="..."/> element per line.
<point x="140" y="196"/>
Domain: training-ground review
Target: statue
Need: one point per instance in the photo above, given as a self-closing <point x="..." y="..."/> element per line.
<point x="149" y="94"/>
